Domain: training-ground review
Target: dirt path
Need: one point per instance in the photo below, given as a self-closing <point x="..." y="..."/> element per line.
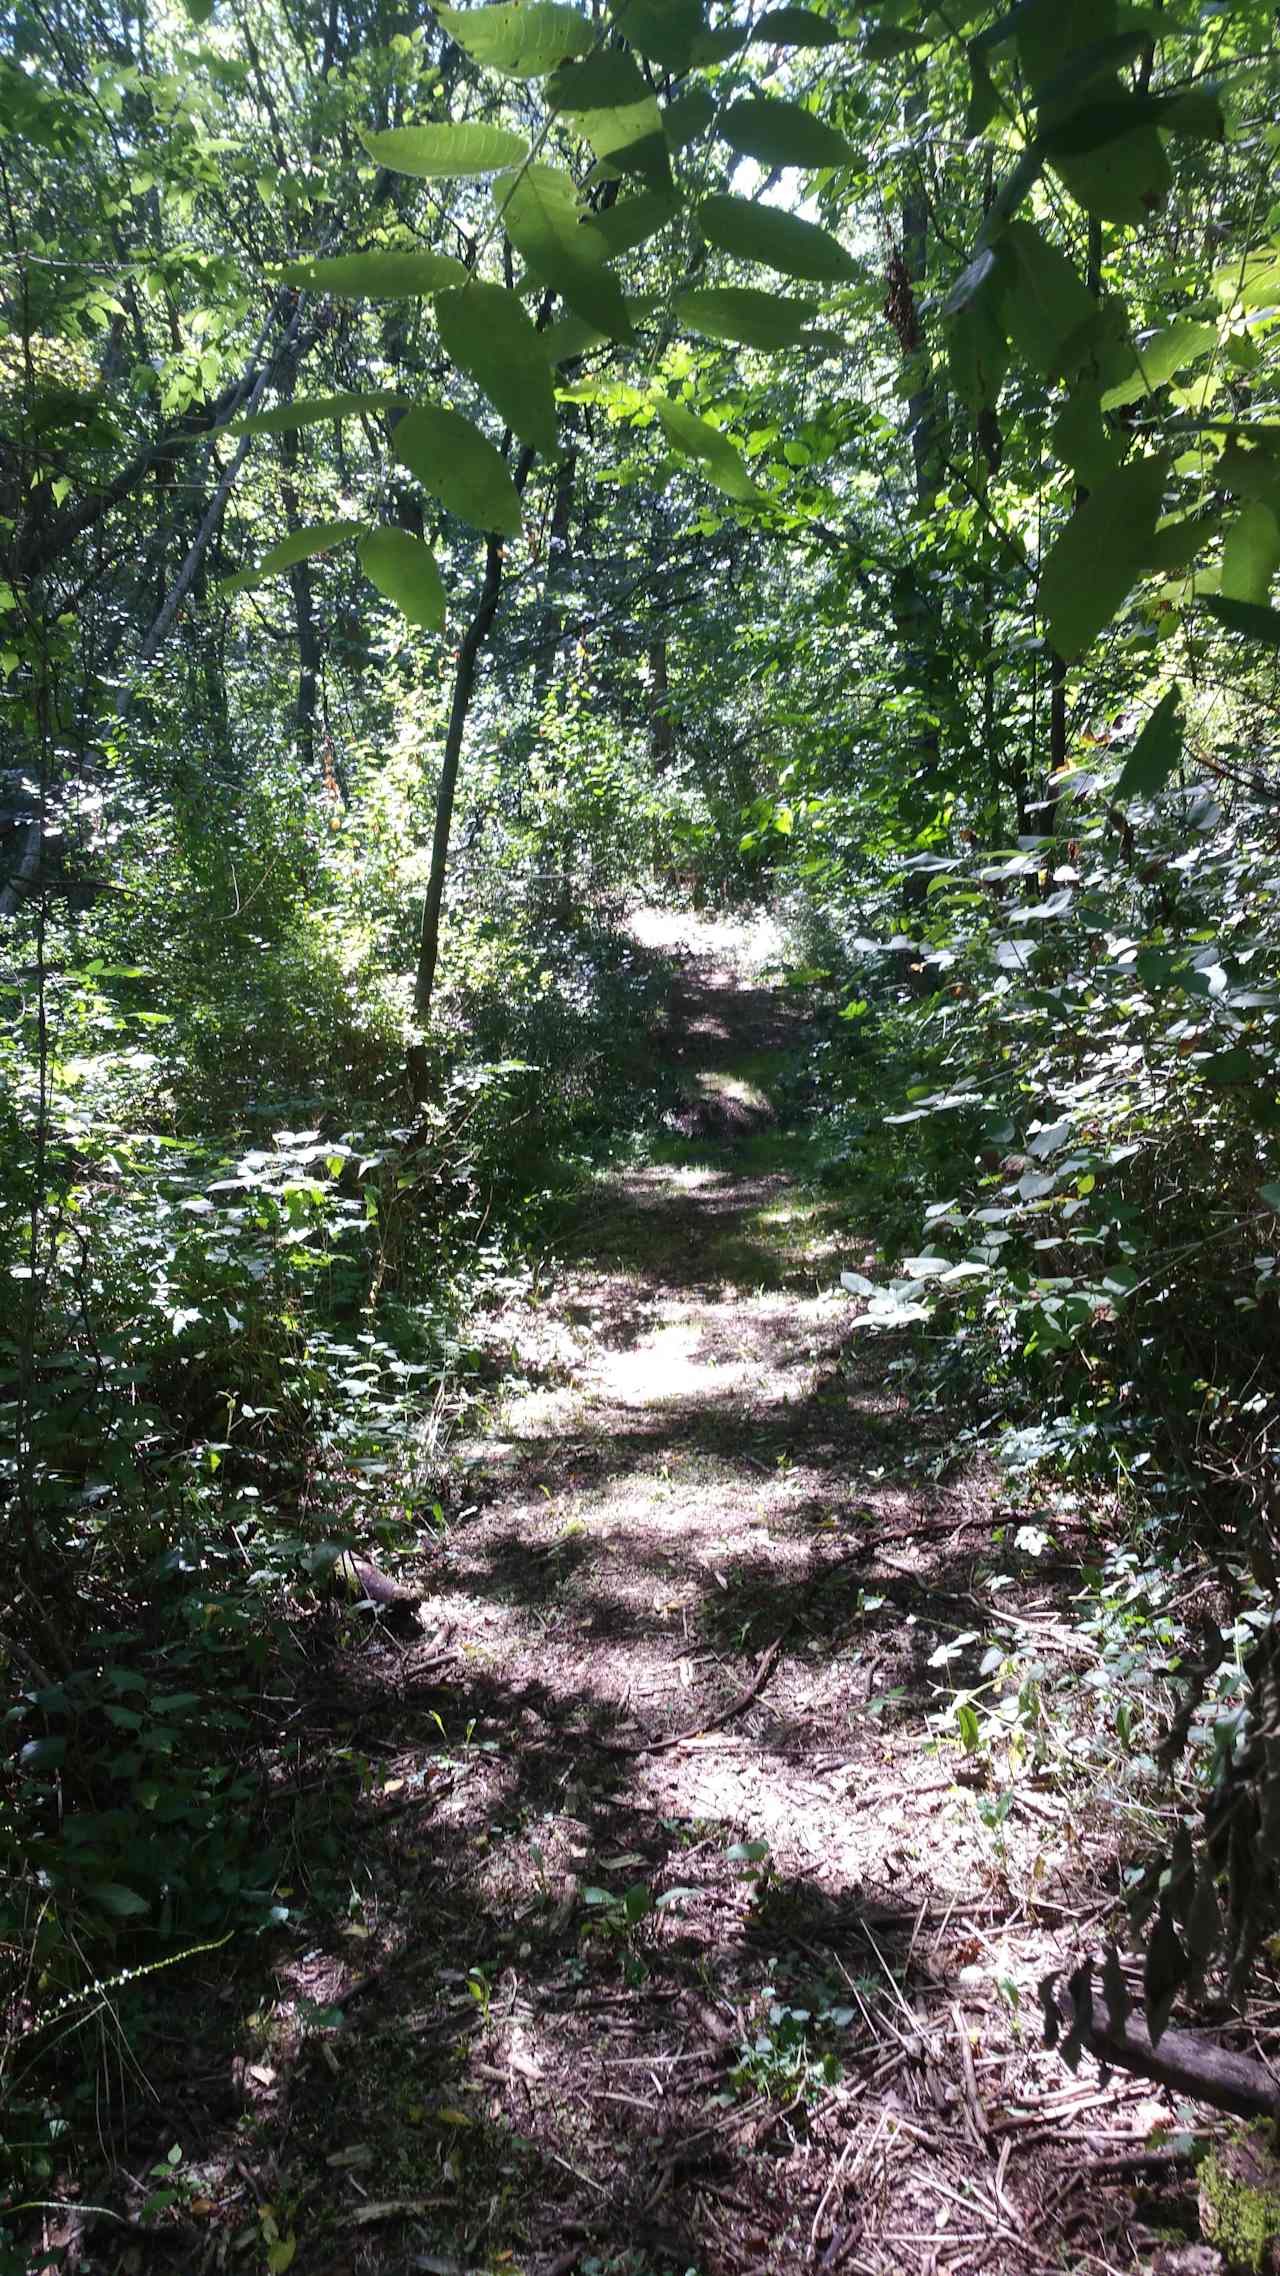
<point x="684" y="1936"/>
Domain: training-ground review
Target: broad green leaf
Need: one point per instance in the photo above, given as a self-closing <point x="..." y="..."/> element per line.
<point x="569" y="337"/>
<point x="1178" y="541"/>
<point x="633" y="221"/>
<point x="978" y="351"/>
<point x="488" y="333"/>
<point x="1044" y="301"/>
<point x="794" y="27"/>
<point x="1250" y="555"/>
<point x="754" y="232"/>
<point x="1245" y="616"/>
<point x="971" y="280"/>
<point x="1082" y="439"/>
<point x="687" y="117"/>
<point x="1120" y="116"/>
<point x="984" y="95"/>
<point x="1056" y="97"/>
<point x="404" y="569"/>
<point x="1121" y="176"/>
<point x="776" y="133"/>
<point x="457" y="465"/>
<point x="612" y="106"/>
<point x="666" y="31"/>
<point x="302" y="544"/>
<point x="376" y="275"/>
<point x="737" y="312"/>
<point x="542" y="217"/>
<point x="889" y="41"/>
<point x="1156" y="752"/>
<point x="443" y="153"/>
<point x="1252" y="279"/>
<point x="285" y="417"/>
<point x="1158" y="357"/>
<point x="113" y="1897"/>
<point x="1249" y="474"/>
<point x="523" y="41"/>
<point x="697" y="438"/>
<point x="1098" y="556"/>
<point x="719" y="45"/>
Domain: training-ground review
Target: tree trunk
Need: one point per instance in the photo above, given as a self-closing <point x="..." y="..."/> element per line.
<point x="464" y="679"/>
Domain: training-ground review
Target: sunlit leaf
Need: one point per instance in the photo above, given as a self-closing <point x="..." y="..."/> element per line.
<point x="1098" y="555"/>
<point x="284" y="418"/>
<point x="741" y="313"/>
<point x="544" y="220"/>
<point x="611" y="105"/>
<point x="445" y="152"/>
<point x="376" y="275"/>
<point x="777" y="133"/>
<point x="523" y="41"/>
<point x="698" y="439"/>
<point x="404" y="569"/>
<point x="1157" y="751"/>
<point x="488" y="334"/>
<point x="765" y="233"/>
<point x="459" y="466"/>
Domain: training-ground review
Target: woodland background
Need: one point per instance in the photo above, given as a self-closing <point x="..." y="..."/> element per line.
<point x="467" y="474"/>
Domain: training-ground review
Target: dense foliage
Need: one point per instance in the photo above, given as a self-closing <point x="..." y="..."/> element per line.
<point x="463" y="474"/>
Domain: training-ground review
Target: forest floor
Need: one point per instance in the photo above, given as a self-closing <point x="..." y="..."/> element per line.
<point x="683" y="1934"/>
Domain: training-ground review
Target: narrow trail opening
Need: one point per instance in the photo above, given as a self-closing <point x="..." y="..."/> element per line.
<point x="685" y="1934"/>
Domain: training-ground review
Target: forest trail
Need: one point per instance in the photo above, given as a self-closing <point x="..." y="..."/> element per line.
<point x="684" y="1934"/>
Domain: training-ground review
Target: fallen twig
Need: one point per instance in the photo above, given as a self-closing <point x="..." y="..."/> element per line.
<point x="736" y="1706"/>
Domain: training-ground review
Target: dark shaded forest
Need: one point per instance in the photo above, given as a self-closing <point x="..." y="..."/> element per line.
<point x="639" y="1137"/>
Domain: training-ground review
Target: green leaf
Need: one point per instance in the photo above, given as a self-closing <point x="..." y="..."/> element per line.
<point x="543" y="219"/>
<point x="113" y="1897"/>
<point x="285" y="417"/>
<point x="457" y="465"/>
<point x="432" y="153"/>
<point x="1177" y="541"/>
<point x="666" y="31"/>
<point x="697" y="438"/>
<point x="978" y="352"/>
<point x="1044" y="301"/>
<point x="1270" y="1195"/>
<point x="302" y="544"/>
<point x="522" y="42"/>
<point x="606" y="94"/>
<point x="776" y="133"/>
<point x="1122" y="115"/>
<point x="43" y="1754"/>
<point x="1119" y="175"/>
<point x="404" y="569"/>
<point x="633" y="221"/>
<point x="1158" y="357"/>
<point x="488" y="333"/>
<point x="1245" y="616"/>
<point x="754" y="232"/>
<point x="1250" y="555"/>
<point x="1249" y="474"/>
<point x="1156" y="752"/>
<point x="376" y="275"/>
<point x="1082" y="439"/>
<point x="738" y="312"/>
<point x="794" y="27"/>
<point x="1099" y="555"/>
<point x="884" y="44"/>
<point x="568" y="338"/>
<point x="687" y="117"/>
<point x="984" y="95"/>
